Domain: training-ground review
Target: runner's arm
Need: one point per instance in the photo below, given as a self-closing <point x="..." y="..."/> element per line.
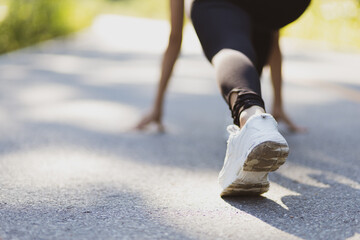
<point x="169" y="59"/>
<point x="275" y="63"/>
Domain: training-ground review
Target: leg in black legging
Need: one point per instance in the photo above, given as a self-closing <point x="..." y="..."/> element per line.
<point x="236" y="37"/>
<point x="262" y="41"/>
<point x="226" y="34"/>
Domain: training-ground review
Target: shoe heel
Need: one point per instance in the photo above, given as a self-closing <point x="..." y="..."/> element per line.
<point x="239" y="188"/>
<point x="266" y="157"/>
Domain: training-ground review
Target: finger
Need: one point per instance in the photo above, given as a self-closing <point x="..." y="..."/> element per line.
<point x="143" y="124"/>
<point x="161" y="128"/>
<point x="293" y="127"/>
<point x="297" y="129"/>
<point x="277" y="116"/>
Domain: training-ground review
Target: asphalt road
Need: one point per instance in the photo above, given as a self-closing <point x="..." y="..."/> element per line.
<point x="71" y="169"/>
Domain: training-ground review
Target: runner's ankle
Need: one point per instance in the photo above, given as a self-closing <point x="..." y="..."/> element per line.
<point x="247" y="113"/>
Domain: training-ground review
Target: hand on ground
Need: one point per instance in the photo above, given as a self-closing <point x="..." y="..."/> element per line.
<point x="154" y="117"/>
<point x="281" y="116"/>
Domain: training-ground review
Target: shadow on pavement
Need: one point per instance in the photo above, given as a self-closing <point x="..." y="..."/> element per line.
<point x="318" y="213"/>
<point x="101" y="213"/>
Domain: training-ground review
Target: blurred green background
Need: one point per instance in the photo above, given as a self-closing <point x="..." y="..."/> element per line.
<point x="335" y="23"/>
<point x="25" y="22"/>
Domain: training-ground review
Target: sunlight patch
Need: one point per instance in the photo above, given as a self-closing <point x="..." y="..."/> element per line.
<point x="45" y="93"/>
<point x="277" y="192"/>
<point x="301" y="174"/>
<point x="100" y="116"/>
<point x="112" y="32"/>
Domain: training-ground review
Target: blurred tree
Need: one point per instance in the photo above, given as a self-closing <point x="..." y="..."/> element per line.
<point x="30" y="21"/>
<point x="336" y="22"/>
<point x="140" y="8"/>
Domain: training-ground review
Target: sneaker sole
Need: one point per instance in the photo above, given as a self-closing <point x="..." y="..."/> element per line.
<point x="252" y="177"/>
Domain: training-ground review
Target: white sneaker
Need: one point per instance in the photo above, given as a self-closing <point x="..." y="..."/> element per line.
<point x="252" y="152"/>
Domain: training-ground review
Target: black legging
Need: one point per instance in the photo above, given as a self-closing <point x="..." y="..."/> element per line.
<point x="247" y="27"/>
